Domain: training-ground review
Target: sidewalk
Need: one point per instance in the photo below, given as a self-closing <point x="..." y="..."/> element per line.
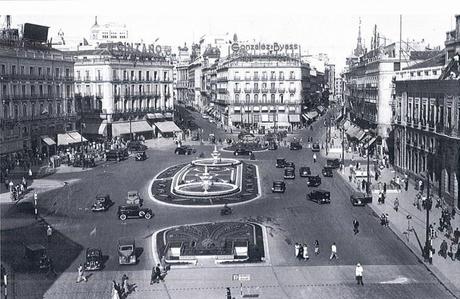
<point x="446" y="270"/>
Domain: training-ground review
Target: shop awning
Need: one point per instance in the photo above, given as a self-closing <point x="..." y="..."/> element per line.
<point x="281" y="108"/>
<point x="272" y="108"/>
<point x="294" y="118"/>
<point x="360" y="134"/>
<point x="123" y="128"/>
<point x="154" y="115"/>
<point x="168" y="115"/>
<point x="167" y="127"/>
<point x="95" y="129"/>
<point x="291" y="108"/>
<point x="346" y="124"/>
<point x="77" y="137"/>
<point x="282" y="118"/>
<point x="320" y="109"/>
<point x="312" y="114"/>
<point x="236" y="118"/>
<point x="264" y="108"/>
<point x="305" y="117"/>
<point x="256" y="109"/>
<point x="236" y="109"/>
<point x="370" y="142"/>
<point x="47" y="140"/>
<point x="209" y="109"/>
<point x="65" y="139"/>
<point x="264" y="117"/>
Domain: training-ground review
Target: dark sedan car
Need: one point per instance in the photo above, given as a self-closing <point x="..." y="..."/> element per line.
<point x="304" y="171"/>
<point x="134" y="211"/>
<point x="280" y="163"/>
<point x="184" y="150"/>
<point x="278" y="187"/>
<point x="319" y="196"/>
<point x="135" y="146"/>
<point x="94" y="259"/>
<point x="295" y="145"/>
<point x="327" y="172"/>
<point x="360" y="199"/>
<point x="289" y="164"/>
<point x="242" y="152"/>
<point x="102" y="203"/>
<point x="315" y="147"/>
<point x="313" y="181"/>
<point x="333" y="163"/>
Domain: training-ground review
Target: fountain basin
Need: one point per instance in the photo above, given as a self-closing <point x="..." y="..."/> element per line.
<point x="215" y="189"/>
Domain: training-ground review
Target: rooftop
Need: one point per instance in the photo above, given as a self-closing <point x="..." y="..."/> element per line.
<point x="436" y="60"/>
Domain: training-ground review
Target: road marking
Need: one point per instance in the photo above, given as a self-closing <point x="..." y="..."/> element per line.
<point x="398" y="280"/>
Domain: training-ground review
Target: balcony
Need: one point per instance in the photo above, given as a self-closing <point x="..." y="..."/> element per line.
<point x="222" y="79"/>
<point x="256" y="90"/>
<point x="256" y="78"/>
<point x="264" y="78"/>
<point x="431" y="126"/>
<point x="264" y="90"/>
<point x="273" y="90"/>
<point x="247" y="90"/>
<point x="116" y="79"/>
<point x="273" y="78"/>
<point x="281" y="90"/>
<point x="237" y="90"/>
<point x="222" y="90"/>
<point x="292" y="90"/>
<point x="69" y="78"/>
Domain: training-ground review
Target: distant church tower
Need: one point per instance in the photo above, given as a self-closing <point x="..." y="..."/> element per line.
<point x="359" y="45"/>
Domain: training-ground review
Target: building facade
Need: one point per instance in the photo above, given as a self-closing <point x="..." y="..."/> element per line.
<point x="119" y="91"/>
<point x="260" y="91"/>
<point x="37" y="97"/>
<point x="107" y="33"/>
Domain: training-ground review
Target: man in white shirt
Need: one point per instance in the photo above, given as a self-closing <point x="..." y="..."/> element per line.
<point x="333" y="251"/>
<point x="359" y="274"/>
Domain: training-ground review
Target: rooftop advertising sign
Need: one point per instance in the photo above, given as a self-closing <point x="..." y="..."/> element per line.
<point x="259" y="48"/>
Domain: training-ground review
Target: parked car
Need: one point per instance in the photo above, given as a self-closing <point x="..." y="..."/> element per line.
<point x="241" y="151"/>
<point x="313" y="181"/>
<point x="315" y="147"/>
<point x="94" y="259"/>
<point x="36" y="257"/>
<point x="126" y="251"/>
<point x="102" y="203"/>
<point x="289" y="164"/>
<point x="205" y="116"/>
<point x="115" y="155"/>
<point x="278" y="187"/>
<point x="195" y="136"/>
<point x="134" y="211"/>
<point x="327" y="171"/>
<point x="304" y="171"/>
<point x="135" y="146"/>
<point x="134" y="198"/>
<point x="360" y="199"/>
<point x="141" y="156"/>
<point x="333" y="163"/>
<point x="184" y="150"/>
<point x="319" y="196"/>
<point x="289" y="173"/>
<point x="280" y="163"/>
<point x="295" y="145"/>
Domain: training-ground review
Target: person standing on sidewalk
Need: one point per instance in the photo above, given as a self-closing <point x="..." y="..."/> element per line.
<point x="316" y="247"/>
<point x="406" y="182"/>
<point x="305" y="252"/>
<point x="355" y="226"/>
<point x="333" y="252"/>
<point x="81" y="274"/>
<point x="359" y="274"/>
<point x="49" y="233"/>
<point x="314" y="158"/>
<point x="396" y="204"/>
<point x="297" y="250"/>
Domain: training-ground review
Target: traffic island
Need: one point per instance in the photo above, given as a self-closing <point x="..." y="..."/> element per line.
<point x="223" y="242"/>
<point x="207" y="182"/>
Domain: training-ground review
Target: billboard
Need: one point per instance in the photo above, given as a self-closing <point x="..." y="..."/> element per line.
<point x="35" y="32"/>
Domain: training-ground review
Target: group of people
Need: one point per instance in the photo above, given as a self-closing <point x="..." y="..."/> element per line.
<point x="17" y="191"/>
<point x="301" y="250"/>
<point x="452" y="250"/>
<point x="121" y="290"/>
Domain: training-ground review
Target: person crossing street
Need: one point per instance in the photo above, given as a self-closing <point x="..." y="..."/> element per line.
<point x="333" y="252"/>
<point x="359" y="274"/>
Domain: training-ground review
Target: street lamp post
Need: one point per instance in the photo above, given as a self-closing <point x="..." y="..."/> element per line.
<point x="343" y="148"/>
<point x="368" y="174"/>
<point x="130" y="129"/>
<point x="426" y="251"/>
<point x="327" y="136"/>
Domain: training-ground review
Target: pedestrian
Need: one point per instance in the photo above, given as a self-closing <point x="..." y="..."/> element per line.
<point x="333" y="252"/>
<point x="24" y="181"/>
<point x="124" y="284"/>
<point x="406" y="182"/>
<point x="297" y="250"/>
<point x="228" y="293"/>
<point x="456" y="235"/>
<point x="363" y="184"/>
<point x="453" y="213"/>
<point x="453" y="250"/>
<point x="51" y="269"/>
<point x="305" y="252"/>
<point x="116" y="291"/>
<point x="385" y="188"/>
<point x="316" y="247"/>
<point x="158" y="272"/>
<point x="314" y="158"/>
<point x="153" y="276"/>
<point x="380" y="198"/>
<point x="11" y="185"/>
<point x="396" y="204"/>
<point x="443" y="249"/>
<point x="355" y="226"/>
<point x="2" y="275"/>
<point x="359" y="274"/>
<point x="81" y="274"/>
<point x="49" y="233"/>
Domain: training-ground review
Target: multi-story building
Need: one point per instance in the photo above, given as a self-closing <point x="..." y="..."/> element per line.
<point x="107" y="33"/>
<point x="338" y="89"/>
<point x="120" y="89"/>
<point x="37" y="97"/>
<point x="427" y="120"/>
<point x="260" y="91"/>
<point x="330" y="79"/>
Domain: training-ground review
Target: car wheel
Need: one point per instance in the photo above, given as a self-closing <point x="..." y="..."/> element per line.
<point x="141" y="214"/>
<point x="148" y="216"/>
<point x="236" y="154"/>
<point x="187" y="153"/>
<point x="123" y="217"/>
<point x="177" y="152"/>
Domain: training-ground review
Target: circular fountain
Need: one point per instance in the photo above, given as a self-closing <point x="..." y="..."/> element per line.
<point x="208" y="177"/>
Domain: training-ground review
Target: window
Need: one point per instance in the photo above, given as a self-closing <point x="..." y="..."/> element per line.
<point x="67" y="91"/>
<point x="272" y="87"/>
<point x="281" y="75"/>
<point x="78" y="75"/>
<point x="13" y="70"/>
<point x="140" y="75"/>
<point x="426" y="73"/>
<point x="237" y="76"/>
<point x="58" y="91"/>
<point x="3" y="69"/>
<point x="237" y="98"/>
<point x="23" y="87"/>
<point x="48" y="71"/>
<point x="435" y="73"/>
<point x="5" y="90"/>
<point x="256" y="75"/>
<point x="292" y="76"/>
<point x="449" y="117"/>
<point x="256" y="98"/>
<point x="264" y="75"/>
<point x="50" y="93"/>
<point x="247" y="76"/>
<point x="132" y="75"/>
<point x="40" y="90"/>
<point x="256" y="86"/>
<point x="272" y="98"/>
<point x="99" y="75"/>
<point x="69" y="106"/>
<point x="24" y="110"/>
<point x="32" y="109"/>
<point x="147" y="75"/>
<point x="67" y="73"/>
<point x="273" y="76"/>
<point x="57" y="73"/>
<point x="58" y="108"/>
<point x="16" y="111"/>
<point x="39" y="71"/>
<point x="87" y="75"/>
<point x="281" y="98"/>
<point x="6" y="109"/>
<point x="31" y="70"/>
<point x="32" y="90"/>
<point x="264" y="98"/>
<point x="248" y="98"/>
<point x="50" y="108"/>
<point x="291" y="97"/>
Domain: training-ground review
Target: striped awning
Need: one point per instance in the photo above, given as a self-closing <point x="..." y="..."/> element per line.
<point x="294" y="118"/>
<point x="236" y="118"/>
<point x="370" y="142"/>
<point x="77" y="137"/>
<point x="47" y="140"/>
<point x="167" y="127"/>
<point x="154" y="115"/>
<point x="312" y="114"/>
<point x="123" y="128"/>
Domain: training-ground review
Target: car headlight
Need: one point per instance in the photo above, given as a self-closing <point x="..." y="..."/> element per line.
<point x="133" y="258"/>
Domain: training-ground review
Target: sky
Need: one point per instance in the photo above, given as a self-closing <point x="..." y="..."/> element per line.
<point x="318" y="26"/>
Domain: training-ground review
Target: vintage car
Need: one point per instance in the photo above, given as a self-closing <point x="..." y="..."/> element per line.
<point x="102" y="203"/>
<point x="241" y="151"/>
<point x="280" y="163"/>
<point x="313" y="181"/>
<point x="126" y="251"/>
<point x="295" y="145"/>
<point x="289" y="173"/>
<point x="36" y="257"/>
<point x="135" y="146"/>
<point x="115" y="155"/>
<point x="94" y="259"/>
<point x="81" y="160"/>
<point x="304" y="171"/>
<point x="278" y="187"/>
<point x="319" y="196"/>
<point x="327" y="171"/>
<point x="315" y="147"/>
<point x="333" y="163"/>
<point x="140" y="156"/>
<point x="184" y="150"/>
<point x="134" y="198"/>
<point x="289" y="164"/>
<point x="360" y="199"/>
<point x="133" y="211"/>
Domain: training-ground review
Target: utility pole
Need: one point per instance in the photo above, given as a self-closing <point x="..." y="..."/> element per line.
<point x="368" y="185"/>
<point x="428" y="205"/>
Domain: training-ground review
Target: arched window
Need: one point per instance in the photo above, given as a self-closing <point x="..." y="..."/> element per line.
<point x="24" y="109"/>
<point x="281" y="98"/>
<point x="256" y="98"/>
<point x="264" y="98"/>
<point x="16" y="111"/>
<point x="237" y="98"/>
<point x="272" y="98"/>
<point x="291" y="97"/>
<point x="50" y="108"/>
<point x="248" y="98"/>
